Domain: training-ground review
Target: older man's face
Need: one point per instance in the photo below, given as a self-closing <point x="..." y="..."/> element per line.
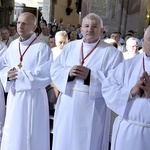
<point x="90" y="30"/>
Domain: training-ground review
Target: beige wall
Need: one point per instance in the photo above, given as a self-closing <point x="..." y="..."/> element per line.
<point x="29" y="3"/>
<point x="60" y="12"/>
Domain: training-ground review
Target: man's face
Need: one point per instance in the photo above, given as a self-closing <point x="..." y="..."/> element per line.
<point x="115" y="36"/>
<point x="46" y="31"/>
<point x="52" y="42"/>
<point x="5" y="34"/>
<point x="61" y="41"/>
<point x="90" y="30"/>
<point x="42" y="25"/>
<point x="25" y="26"/>
<point x="132" y="47"/>
<point x="73" y="35"/>
<point x="12" y="30"/>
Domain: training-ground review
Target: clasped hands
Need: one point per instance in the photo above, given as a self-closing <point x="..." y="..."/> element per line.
<point x="79" y="71"/>
<point x="142" y="87"/>
<point x="12" y="74"/>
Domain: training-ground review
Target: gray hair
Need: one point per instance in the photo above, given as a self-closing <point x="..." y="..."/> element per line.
<point x="130" y="40"/>
<point x="61" y="33"/>
<point x="93" y="16"/>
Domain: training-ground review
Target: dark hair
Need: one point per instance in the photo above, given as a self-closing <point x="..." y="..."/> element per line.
<point x="131" y="31"/>
<point x="51" y="36"/>
<point x="12" y="25"/>
<point x="43" y="21"/>
<point x="38" y="30"/>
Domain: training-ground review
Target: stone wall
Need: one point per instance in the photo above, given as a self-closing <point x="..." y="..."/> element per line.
<point x="6" y="12"/>
<point x="56" y="9"/>
<point x="118" y="15"/>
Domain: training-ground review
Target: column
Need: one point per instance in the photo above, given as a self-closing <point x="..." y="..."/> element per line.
<point x="47" y="10"/>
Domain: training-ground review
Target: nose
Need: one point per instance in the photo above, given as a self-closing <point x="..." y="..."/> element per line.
<point x="62" y="44"/>
<point x="90" y="28"/>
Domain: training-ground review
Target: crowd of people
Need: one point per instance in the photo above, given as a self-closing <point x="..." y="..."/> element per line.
<point x="101" y="85"/>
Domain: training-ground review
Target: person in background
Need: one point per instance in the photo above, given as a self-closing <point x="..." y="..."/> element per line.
<point x="113" y="114"/>
<point x="121" y="41"/>
<point x="82" y="120"/>
<point x="52" y="41"/>
<point x="79" y="34"/>
<point x="49" y="26"/>
<point x="104" y="36"/>
<point x="37" y="31"/>
<point x="5" y="35"/>
<point x="25" y="74"/>
<point x="53" y="30"/>
<point x="127" y="92"/>
<point x="13" y="31"/>
<point x="42" y="23"/>
<point x="44" y="35"/>
<point x="54" y="23"/>
<point x="73" y="35"/>
<point x="61" y="27"/>
<point x="131" y="47"/>
<point x="61" y="38"/>
<point x="116" y="37"/>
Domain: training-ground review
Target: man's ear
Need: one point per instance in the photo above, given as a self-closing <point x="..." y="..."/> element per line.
<point x="102" y="30"/>
<point x="34" y="27"/>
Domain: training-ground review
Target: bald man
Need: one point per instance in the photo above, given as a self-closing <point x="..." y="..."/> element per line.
<point x="25" y="76"/>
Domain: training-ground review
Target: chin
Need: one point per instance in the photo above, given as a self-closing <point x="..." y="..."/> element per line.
<point x="90" y="40"/>
<point x="20" y="33"/>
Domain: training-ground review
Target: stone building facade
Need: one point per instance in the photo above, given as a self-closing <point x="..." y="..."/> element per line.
<point x="117" y="15"/>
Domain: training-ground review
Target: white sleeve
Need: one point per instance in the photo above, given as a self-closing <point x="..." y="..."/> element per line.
<point x="115" y="92"/>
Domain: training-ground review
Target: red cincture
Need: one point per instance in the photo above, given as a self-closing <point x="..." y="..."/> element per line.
<point x="21" y="55"/>
<point x="83" y="58"/>
<point x="143" y="64"/>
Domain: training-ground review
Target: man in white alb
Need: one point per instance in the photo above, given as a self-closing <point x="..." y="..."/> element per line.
<point x="82" y="120"/>
<point x="25" y="75"/>
<point x="127" y="92"/>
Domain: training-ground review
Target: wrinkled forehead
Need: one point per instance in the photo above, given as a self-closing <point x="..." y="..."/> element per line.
<point x="61" y="38"/>
<point x="89" y="21"/>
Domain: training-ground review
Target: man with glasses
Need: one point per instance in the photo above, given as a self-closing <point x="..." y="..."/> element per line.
<point x="131" y="47"/>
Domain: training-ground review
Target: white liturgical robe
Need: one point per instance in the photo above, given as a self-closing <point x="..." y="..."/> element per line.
<point x="27" y="116"/>
<point x="2" y="110"/>
<point x="3" y="48"/>
<point x="82" y="120"/>
<point x="131" y="128"/>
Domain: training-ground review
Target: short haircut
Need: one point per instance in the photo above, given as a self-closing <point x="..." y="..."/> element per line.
<point x="93" y="16"/>
<point x="12" y="25"/>
<point x="61" y="33"/>
<point x="129" y="40"/>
